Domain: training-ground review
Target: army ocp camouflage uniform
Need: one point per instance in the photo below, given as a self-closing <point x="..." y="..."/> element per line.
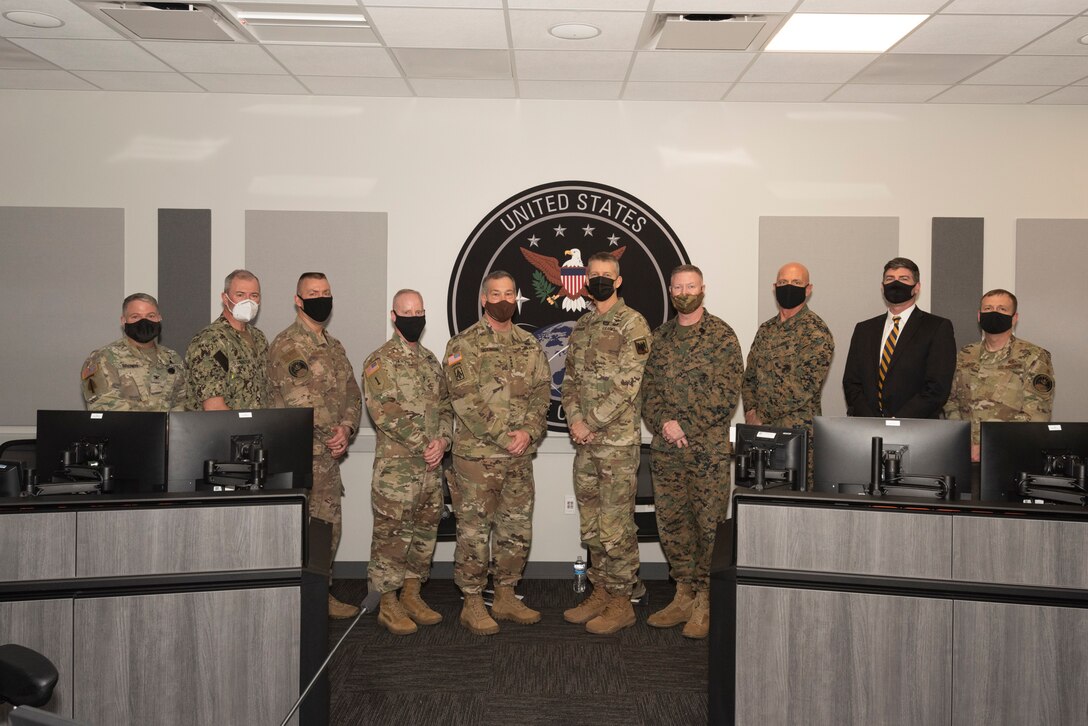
<point x="407" y="400"/>
<point x="786" y="369"/>
<point x="312" y="370"/>
<point x="1015" y="383"/>
<point x="601" y="388"/>
<point x="694" y="377"/>
<point x="498" y="383"/>
<point x="224" y="362"/>
<point x="122" y="377"/>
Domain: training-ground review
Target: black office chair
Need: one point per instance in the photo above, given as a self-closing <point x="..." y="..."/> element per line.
<point x="447" y="526"/>
<point x="27" y="678"/>
<point x="18" y="459"/>
<point x="645" y="511"/>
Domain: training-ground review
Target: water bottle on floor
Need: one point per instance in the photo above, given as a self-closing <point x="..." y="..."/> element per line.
<point x="579" y="575"/>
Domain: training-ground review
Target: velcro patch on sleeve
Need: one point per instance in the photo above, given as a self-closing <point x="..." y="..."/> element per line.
<point x="1042" y="383"/>
<point x="454" y="359"/>
<point x="89" y="370"/>
<point x="642" y="346"/>
<point x="373" y="368"/>
<point x="298" y="368"/>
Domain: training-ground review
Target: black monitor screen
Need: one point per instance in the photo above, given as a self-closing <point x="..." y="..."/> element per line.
<point x="131" y="443"/>
<point x="765" y="457"/>
<point x="1037" y="449"/>
<point x="284" y="434"/>
<point x="921" y="448"/>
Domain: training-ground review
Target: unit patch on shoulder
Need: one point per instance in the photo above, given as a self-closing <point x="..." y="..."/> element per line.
<point x="1042" y="383"/>
<point x="373" y="368"/>
<point x="454" y="359"/>
<point x="458" y="374"/>
<point x="298" y="368"/>
<point x="641" y="346"/>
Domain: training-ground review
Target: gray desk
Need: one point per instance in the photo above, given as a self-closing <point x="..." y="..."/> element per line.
<point x="838" y="611"/>
<point x="164" y="609"/>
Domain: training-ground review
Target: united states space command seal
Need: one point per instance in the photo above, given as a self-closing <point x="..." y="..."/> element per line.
<point x="543" y="236"/>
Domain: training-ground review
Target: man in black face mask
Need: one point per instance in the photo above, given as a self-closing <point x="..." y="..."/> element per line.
<point x="308" y="368"/>
<point x="1001" y="377"/>
<point x="900" y="364"/>
<point x="135" y="373"/>
<point x="789" y="359"/>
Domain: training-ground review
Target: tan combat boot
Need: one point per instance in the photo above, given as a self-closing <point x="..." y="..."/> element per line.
<point x="676" y="612"/>
<point x="508" y="607"/>
<point x="618" y="614"/>
<point x="392" y="616"/>
<point x="415" y="607"/>
<point x="340" y="610"/>
<point x="698" y="625"/>
<point x="474" y="616"/>
<point x="589" y="608"/>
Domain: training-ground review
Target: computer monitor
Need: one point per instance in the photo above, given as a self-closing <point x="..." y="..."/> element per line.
<point x="915" y="457"/>
<point x="1034" y="460"/>
<point x="765" y="457"/>
<point x="266" y="448"/>
<point x="107" y="451"/>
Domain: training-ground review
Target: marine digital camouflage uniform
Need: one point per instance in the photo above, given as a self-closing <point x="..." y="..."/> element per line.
<point x="122" y="377"/>
<point x="786" y="370"/>
<point x="309" y="370"/>
<point x="601" y="387"/>
<point x="1015" y="383"/>
<point x="498" y="383"/>
<point x="223" y="362"/>
<point x="407" y="399"/>
<point x="693" y="376"/>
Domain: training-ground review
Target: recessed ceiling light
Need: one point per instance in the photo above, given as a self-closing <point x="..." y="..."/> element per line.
<point x="843" y="32"/>
<point x="33" y="19"/>
<point x="574" y="31"/>
<point x="256" y="17"/>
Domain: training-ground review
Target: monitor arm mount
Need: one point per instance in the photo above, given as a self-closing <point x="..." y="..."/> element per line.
<point x="754" y="464"/>
<point x="1062" y="480"/>
<point x="886" y="473"/>
<point x="247" y="468"/>
<point x="84" y="469"/>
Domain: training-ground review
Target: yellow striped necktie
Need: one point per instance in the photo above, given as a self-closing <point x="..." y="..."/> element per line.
<point x="886" y="359"/>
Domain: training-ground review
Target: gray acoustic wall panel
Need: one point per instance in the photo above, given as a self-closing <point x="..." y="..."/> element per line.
<point x="185" y="252"/>
<point x="349" y="247"/>
<point x="1049" y="315"/>
<point x="845" y="257"/>
<point x="955" y="278"/>
<point x="62" y="293"/>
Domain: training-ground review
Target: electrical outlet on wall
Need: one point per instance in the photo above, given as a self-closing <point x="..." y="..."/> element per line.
<point x="570" y="506"/>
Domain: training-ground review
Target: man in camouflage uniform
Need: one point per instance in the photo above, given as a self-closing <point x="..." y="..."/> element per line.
<point x="690" y="388"/>
<point x="788" y="361"/>
<point x="135" y="373"/>
<point x="228" y="360"/>
<point x="498" y="380"/>
<point x="605" y="360"/>
<point x="1000" y="378"/>
<point x="408" y="402"/>
<point x="308" y="368"/>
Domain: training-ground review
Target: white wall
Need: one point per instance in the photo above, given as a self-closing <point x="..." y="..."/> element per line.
<point x="437" y="166"/>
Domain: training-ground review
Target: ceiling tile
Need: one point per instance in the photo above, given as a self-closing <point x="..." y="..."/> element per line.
<point x="781" y="92"/>
<point x="878" y="93"/>
<point x="923" y="68"/>
<point x="1056" y="70"/>
<point x="436" y="3"/>
<point x="573" y="65"/>
<point x="689" y="65"/>
<point x="868" y="6"/>
<point x="578" y="4"/>
<point x="340" y="86"/>
<point x="139" y="81"/>
<point x="333" y="60"/>
<point x="454" y="63"/>
<point x="43" y="80"/>
<point x="247" y="83"/>
<point x="807" y="67"/>
<point x="215" y="57"/>
<point x="92" y="55"/>
<point x="619" y="30"/>
<point x="460" y="88"/>
<point x="960" y="34"/>
<point x="992" y="94"/>
<point x="439" y="28"/>
<point x="1072" y="95"/>
<point x="78" y="23"/>
<point x="724" y="6"/>
<point x="1061" y="41"/>
<point x="12" y="56"/>
<point x="580" y="90"/>
<point x="1017" y="7"/>
<point x="642" y="91"/>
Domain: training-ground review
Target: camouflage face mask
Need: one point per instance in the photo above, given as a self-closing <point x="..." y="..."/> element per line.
<point x="687" y="303"/>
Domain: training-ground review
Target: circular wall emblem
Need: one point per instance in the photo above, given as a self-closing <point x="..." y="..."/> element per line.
<point x="543" y="236"/>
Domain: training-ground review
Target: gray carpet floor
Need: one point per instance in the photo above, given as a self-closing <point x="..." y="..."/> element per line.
<point x="548" y="673"/>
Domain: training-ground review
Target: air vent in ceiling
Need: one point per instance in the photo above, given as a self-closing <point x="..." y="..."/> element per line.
<point x="712" y="32"/>
<point x="167" y="21"/>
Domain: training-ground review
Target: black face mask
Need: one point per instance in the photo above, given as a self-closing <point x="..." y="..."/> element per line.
<point x="789" y="296"/>
<point x="601" y="288"/>
<point x="410" y="327"/>
<point x="317" y="309"/>
<point x="897" y="292"/>
<point x="994" y="322"/>
<point x="143" y="330"/>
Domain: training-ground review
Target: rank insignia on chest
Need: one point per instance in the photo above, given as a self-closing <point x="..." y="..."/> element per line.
<point x="373" y="368"/>
<point x="298" y="368"/>
<point x="641" y="346"/>
<point x="453" y="359"/>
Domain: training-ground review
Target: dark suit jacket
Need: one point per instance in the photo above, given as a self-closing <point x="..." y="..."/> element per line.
<point x="919" y="377"/>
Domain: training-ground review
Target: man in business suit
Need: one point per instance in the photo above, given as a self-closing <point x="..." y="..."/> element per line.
<point x="900" y="364"/>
